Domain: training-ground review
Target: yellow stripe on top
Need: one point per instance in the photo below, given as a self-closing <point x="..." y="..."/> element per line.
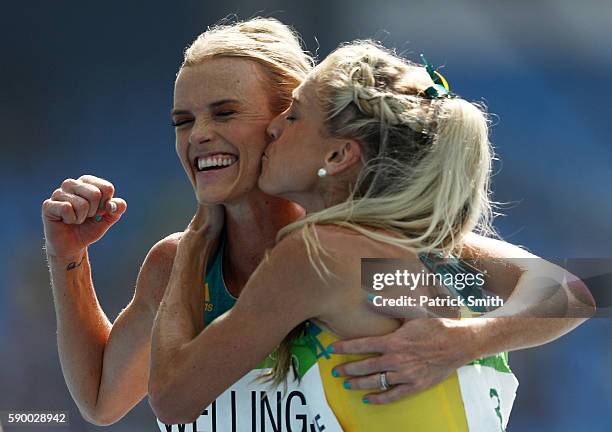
<point x="206" y="293"/>
<point x="439" y="408"/>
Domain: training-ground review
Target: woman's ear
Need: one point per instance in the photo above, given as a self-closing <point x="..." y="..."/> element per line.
<point x="344" y="154"/>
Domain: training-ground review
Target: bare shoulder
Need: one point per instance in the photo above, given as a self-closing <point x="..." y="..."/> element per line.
<point x="165" y="249"/>
<point x="316" y="267"/>
<point x="155" y="271"/>
<point x="334" y="243"/>
<point x="340" y="251"/>
<point x="347" y="243"/>
<point x="289" y="253"/>
<point x="345" y="312"/>
<point x="478" y="246"/>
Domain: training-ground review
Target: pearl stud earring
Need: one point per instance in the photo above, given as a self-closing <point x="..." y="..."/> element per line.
<point x="322" y="172"/>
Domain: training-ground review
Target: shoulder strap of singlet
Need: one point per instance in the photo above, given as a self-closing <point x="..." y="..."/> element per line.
<point x="217" y="299"/>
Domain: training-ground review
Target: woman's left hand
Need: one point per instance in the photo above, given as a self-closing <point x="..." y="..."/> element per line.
<point x="418" y="355"/>
<point x="196" y="244"/>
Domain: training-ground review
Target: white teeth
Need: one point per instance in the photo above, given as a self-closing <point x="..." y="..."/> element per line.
<point x="215" y="161"/>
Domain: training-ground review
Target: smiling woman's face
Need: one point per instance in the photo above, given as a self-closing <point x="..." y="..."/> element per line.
<point x="221" y="111"/>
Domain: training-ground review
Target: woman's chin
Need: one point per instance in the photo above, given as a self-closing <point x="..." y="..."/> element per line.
<point x="267" y="186"/>
<point x="208" y="197"/>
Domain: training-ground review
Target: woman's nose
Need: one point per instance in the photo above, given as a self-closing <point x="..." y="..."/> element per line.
<point x="200" y="133"/>
<point x="275" y="128"/>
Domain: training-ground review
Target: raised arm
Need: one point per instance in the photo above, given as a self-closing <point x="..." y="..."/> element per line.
<point x="105" y="364"/>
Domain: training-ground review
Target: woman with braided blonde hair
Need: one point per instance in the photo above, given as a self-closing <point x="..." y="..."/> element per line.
<point x="423" y="164"/>
<point x="383" y="169"/>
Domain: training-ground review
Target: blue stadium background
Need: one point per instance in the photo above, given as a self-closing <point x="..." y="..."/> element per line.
<point x="87" y="88"/>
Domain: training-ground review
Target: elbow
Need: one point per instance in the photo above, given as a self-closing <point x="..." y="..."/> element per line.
<point x="103" y="411"/>
<point x="585" y="305"/>
<point x="169" y="408"/>
<point x="591" y="306"/>
<point x="98" y="418"/>
<point x="172" y="395"/>
<point x="168" y="412"/>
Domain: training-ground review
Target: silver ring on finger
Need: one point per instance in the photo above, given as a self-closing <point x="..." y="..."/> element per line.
<point x="384" y="384"/>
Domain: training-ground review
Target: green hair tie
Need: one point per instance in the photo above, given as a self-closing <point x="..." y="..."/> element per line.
<point x="440" y="89"/>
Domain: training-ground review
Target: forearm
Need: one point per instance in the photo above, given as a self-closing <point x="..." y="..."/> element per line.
<point x="82" y="328"/>
<point x="543" y="308"/>
<point x="179" y="320"/>
<point x="125" y="371"/>
<point x="490" y="336"/>
<point x="182" y="380"/>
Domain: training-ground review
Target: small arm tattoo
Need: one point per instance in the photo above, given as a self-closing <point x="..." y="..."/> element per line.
<point x="74" y="265"/>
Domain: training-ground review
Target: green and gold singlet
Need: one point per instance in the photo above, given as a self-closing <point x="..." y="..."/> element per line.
<point x="477" y="397"/>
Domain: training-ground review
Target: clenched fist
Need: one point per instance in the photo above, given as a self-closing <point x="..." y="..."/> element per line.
<point x="78" y="214"/>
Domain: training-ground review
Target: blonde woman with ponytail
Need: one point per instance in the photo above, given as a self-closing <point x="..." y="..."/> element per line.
<point x="385" y="170"/>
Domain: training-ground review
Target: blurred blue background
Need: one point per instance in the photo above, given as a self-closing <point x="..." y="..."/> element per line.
<point x="87" y="88"/>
